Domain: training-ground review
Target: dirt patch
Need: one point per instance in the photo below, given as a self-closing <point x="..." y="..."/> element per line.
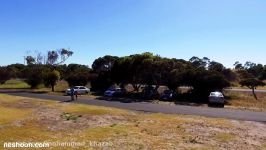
<point x="22" y="104"/>
<point x="18" y="123"/>
<point x="241" y="135"/>
<point x="53" y="120"/>
<point x="252" y="133"/>
<point x="195" y="133"/>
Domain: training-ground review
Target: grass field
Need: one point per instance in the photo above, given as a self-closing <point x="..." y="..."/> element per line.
<point x="20" y="84"/>
<point x="238" y="86"/>
<point x="33" y="120"/>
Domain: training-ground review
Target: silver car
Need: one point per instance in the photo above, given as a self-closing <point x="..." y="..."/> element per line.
<point x="79" y="89"/>
<point x="216" y="98"/>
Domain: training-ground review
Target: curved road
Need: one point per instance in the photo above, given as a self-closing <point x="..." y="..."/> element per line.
<point x="157" y="108"/>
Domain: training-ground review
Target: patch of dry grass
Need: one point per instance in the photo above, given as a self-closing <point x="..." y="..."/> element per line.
<point x="264" y="145"/>
<point x="43" y="121"/>
<point x="8" y="99"/>
<point x="246" y="100"/>
<point x="92" y="110"/>
<point x="224" y="137"/>
<point x="9" y="115"/>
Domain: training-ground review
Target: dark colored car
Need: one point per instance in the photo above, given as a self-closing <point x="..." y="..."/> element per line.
<point x="115" y="92"/>
<point x="167" y="95"/>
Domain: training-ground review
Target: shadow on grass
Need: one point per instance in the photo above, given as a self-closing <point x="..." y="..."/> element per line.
<point x="2" y="88"/>
<point x="122" y="99"/>
<point x="14" y="90"/>
<point x="39" y="92"/>
<point x="66" y="101"/>
<point x="23" y="90"/>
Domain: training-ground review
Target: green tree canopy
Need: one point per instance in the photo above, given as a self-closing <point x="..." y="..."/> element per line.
<point x="252" y="83"/>
<point x="51" y="78"/>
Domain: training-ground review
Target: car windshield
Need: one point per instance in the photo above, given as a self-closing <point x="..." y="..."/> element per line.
<point x="114" y="89"/>
<point x="76" y="87"/>
<point x="111" y="89"/>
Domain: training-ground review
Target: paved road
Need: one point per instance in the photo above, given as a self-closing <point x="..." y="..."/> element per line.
<point x="160" y="108"/>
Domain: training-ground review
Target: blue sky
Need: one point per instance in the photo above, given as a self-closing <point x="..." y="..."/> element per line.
<point x="223" y="30"/>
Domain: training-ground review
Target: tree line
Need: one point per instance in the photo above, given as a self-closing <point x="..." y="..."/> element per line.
<point x="139" y="70"/>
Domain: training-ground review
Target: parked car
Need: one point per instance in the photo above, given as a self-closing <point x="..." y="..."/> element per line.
<point x="114" y="92"/>
<point x="216" y="98"/>
<point x="167" y="95"/>
<point x="79" y="89"/>
<point x="150" y="92"/>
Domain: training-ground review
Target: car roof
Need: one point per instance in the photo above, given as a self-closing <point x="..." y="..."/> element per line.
<point x="216" y="92"/>
<point x="80" y="86"/>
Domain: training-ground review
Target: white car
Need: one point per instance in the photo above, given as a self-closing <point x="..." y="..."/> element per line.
<point x="79" y="89"/>
<point x="216" y="98"/>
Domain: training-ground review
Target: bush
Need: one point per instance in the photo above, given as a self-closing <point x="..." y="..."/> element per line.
<point x="4" y="75"/>
<point x="51" y="78"/>
<point x="34" y="76"/>
<point x="77" y="79"/>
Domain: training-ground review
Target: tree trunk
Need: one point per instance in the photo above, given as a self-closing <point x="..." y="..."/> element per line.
<point x="52" y="88"/>
<point x="136" y="87"/>
<point x="254" y="94"/>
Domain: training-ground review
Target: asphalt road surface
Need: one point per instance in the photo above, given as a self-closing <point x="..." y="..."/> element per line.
<point x="156" y="108"/>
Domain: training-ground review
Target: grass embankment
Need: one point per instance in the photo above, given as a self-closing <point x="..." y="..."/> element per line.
<point x="14" y="84"/>
<point x="35" y="120"/>
<point x="246" y="100"/>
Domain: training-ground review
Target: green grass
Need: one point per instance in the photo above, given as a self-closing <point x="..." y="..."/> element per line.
<point x="15" y="84"/>
<point x="69" y="116"/>
<point x="21" y="84"/>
